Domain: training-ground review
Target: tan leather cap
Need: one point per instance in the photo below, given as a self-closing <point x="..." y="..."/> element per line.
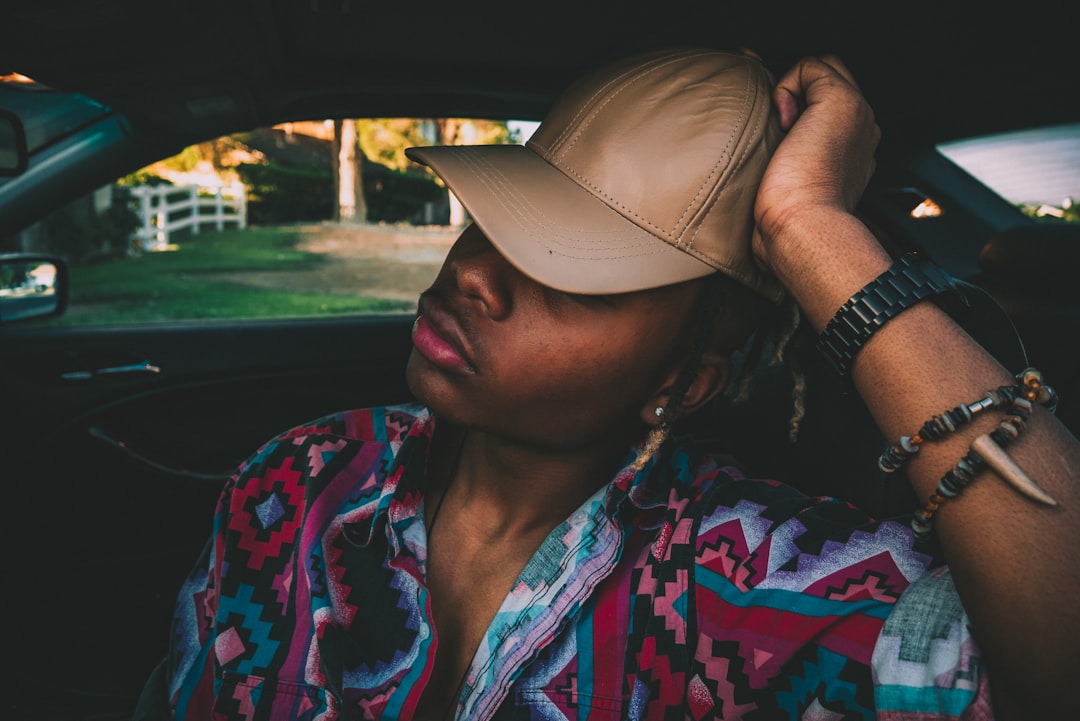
<point x="643" y="174"/>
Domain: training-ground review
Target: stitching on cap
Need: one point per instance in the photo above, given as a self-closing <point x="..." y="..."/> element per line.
<point x="754" y="131"/>
<point x="588" y="106"/>
<point x="514" y="203"/>
<point x="582" y="110"/>
<point x="669" y="235"/>
<point x="726" y="268"/>
<point x="634" y="73"/>
<point x="735" y="132"/>
<point x="602" y="194"/>
<point x="638" y="77"/>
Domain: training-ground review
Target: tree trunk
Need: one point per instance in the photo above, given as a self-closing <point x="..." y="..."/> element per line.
<point x="335" y="171"/>
<point x="361" y="214"/>
<point x="346" y="169"/>
<point x="458" y="217"/>
<point x="453" y="132"/>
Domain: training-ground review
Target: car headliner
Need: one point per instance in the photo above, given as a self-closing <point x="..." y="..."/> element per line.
<point x="932" y="70"/>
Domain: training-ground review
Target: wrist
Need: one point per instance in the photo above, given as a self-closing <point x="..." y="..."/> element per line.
<point x="904" y="284"/>
<point x="822" y="257"/>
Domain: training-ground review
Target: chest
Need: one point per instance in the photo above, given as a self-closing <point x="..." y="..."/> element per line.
<point x="468" y="581"/>
<point x="587" y="626"/>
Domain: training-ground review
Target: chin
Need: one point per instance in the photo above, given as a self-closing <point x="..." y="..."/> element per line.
<point x="414" y="378"/>
<point x="432" y="389"/>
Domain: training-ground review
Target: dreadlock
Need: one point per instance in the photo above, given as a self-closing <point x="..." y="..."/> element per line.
<point x="766" y="348"/>
<point x="757" y="334"/>
<point x="705" y="311"/>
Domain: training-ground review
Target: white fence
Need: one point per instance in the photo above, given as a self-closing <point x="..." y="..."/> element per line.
<point x="165" y="209"/>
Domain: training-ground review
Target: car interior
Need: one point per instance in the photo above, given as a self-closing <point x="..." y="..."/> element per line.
<point x="111" y="477"/>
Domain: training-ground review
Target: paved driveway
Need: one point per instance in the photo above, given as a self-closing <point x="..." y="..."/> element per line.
<point x="381" y="261"/>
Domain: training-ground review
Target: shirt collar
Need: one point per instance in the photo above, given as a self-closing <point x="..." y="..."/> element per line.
<point x="651" y="486"/>
<point x="402" y="488"/>
<point x="407" y="437"/>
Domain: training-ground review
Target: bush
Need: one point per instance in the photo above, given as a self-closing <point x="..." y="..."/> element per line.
<point x="393" y="196"/>
<point x="80" y="234"/>
<point x="280" y="194"/>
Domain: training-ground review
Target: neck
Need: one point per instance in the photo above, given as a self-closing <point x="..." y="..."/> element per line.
<point x="515" y="488"/>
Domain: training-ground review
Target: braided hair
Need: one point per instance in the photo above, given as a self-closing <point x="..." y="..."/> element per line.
<point x="755" y="333"/>
<point x="731" y="319"/>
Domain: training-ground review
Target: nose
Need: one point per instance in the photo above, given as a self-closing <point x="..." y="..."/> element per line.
<point x="482" y="273"/>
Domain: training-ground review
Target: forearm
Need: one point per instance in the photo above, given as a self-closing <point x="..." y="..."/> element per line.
<point x="1013" y="560"/>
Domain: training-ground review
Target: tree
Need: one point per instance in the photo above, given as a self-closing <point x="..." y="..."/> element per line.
<point x="459" y="131"/>
<point x="384" y="140"/>
<point x="349" y="201"/>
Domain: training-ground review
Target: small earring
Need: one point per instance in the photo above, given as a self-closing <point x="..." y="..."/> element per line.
<point x="657" y="435"/>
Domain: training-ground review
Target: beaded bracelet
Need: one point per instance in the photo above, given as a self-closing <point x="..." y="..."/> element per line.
<point x="937" y="427"/>
<point x="963" y="473"/>
<point x="989" y="450"/>
<point x="1030" y="385"/>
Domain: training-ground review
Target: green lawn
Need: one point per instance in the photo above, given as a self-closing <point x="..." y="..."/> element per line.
<point x="187" y="283"/>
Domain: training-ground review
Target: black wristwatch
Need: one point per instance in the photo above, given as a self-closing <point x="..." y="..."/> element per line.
<point x="909" y="280"/>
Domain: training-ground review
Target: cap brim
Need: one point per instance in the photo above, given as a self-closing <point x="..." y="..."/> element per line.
<point x="550" y="228"/>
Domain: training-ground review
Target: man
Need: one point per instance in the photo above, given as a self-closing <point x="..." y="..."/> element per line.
<point x="528" y="542"/>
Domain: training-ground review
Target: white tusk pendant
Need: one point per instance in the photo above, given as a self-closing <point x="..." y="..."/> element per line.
<point x="1005" y="467"/>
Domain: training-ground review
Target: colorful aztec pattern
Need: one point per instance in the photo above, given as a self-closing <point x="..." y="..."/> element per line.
<point x="685" y="591"/>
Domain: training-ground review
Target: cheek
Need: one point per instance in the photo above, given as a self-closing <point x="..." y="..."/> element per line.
<point x="559" y="384"/>
<point x="605" y="370"/>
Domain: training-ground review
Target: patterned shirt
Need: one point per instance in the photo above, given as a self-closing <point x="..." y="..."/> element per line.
<point x="683" y="591"/>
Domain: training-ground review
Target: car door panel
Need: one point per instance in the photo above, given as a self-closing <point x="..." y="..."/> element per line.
<point x="114" y="475"/>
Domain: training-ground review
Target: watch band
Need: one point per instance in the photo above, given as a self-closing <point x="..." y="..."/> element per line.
<point x="909" y="280"/>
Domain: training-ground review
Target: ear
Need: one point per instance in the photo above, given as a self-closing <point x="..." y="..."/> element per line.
<point x="712" y="376"/>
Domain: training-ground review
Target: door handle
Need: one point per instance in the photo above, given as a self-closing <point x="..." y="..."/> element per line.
<point x="140" y="368"/>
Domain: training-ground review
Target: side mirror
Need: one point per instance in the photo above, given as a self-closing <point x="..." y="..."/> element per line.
<point x="32" y="287"/>
<point x="13" y="148"/>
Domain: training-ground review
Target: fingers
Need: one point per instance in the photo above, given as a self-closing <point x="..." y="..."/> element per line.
<point x="787" y="105"/>
<point x="808" y="81"/>
<point x="826" y="158"/>
<point x="839" y="68"/>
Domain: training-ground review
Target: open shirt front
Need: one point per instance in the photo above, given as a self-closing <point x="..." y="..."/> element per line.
<point x="685" y="590"/>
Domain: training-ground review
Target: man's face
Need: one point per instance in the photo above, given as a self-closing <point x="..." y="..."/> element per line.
<point x="495" y="350"/>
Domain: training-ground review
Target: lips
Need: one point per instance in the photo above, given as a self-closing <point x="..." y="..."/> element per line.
<point x="438" y="336"/>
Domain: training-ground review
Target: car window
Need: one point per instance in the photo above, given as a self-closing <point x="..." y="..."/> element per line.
<point x="299" y="219"/>
<point x="1037" y="169"/>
